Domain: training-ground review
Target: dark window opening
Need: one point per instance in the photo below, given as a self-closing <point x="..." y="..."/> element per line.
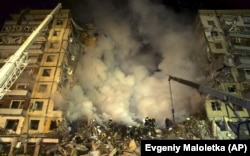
<point x="56" y="33"/>
<point x="209" y="22"/>
<point x="16" y="104"/>
<point x="38" y="105"/>
<point x="12" y="124"/>
<point x="216" y="106"/>
<point x="221" y="125"/>
<point x="218" y="45"/>
<point x="214" y="33"/>
<point x="50" y="58"/>
<point x="232" y="88"/>
<point x="21" y="87"/>
<point x="59" y="22"/>
<point x="46" y="72"/>
<point x="52" y="45"/>
<point x="53" y="125"/>
<point x="247" y="71"/>
<point x="240" y="41"/>
<point x="34" y="124"/>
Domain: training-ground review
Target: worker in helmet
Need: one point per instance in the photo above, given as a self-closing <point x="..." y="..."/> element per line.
<point x="147" y="122"/>
<point x="110" y="126"/>
<point x="151" y="127"/>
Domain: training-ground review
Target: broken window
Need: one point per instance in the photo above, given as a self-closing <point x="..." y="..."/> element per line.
<point x="216" y="106"/>
<point x="17" y="104"/>
<point x="46" y="72"/>
<point x="214" y="33"/>
<point x="53" y="125"/>
<point x="21" y="86"/>
<point x="218" y="45"/>
<point x="38" y="105"/>
<point x="231" y="88"/>
<point x="42" y="88"/>
<point x="240" y="41"/>
<point x="247" y="71"/>
<point x="34" y="124"/>
<point x="210" y="22"/>
<point x="52" y="45"/>
<point x="11" y="124"/>
<point x="56" y="33"/>
<point x="59" y="22"/>
<point x="221" y="125"/>
<point x="50" y="58"/>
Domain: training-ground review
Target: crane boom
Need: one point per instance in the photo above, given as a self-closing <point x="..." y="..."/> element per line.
<point x="219" y="94"/>
<point x="15" y="65"/>
<point x="241" y="128"/>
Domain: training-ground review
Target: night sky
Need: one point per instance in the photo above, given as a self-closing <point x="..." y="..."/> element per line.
<point x="180" y="6"/>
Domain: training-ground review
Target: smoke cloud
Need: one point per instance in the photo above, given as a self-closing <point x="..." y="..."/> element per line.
<point x="125" y="75"/>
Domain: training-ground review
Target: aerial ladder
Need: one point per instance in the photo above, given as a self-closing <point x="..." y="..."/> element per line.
<point x="15" y="65"/>
<point x="240" y="128"/>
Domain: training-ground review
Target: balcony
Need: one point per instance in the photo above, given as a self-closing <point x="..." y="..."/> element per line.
<point x="15" y="112"/>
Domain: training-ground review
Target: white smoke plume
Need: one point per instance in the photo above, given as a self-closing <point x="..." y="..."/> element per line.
<point x="125" y="75"/>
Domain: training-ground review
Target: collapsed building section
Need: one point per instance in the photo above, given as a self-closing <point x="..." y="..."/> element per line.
<point x="30" y="122"/>
<point x="225" y="47"/>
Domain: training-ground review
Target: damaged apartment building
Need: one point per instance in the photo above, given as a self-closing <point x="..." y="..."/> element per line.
<point x="37" y="59"/>
<point x="224" y="36"/>
<point x="39" y="50"/>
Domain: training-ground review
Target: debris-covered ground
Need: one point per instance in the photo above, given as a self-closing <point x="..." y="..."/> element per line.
<point x="92" y="138"/>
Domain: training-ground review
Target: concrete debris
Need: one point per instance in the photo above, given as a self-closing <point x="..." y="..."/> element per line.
<point x="111" y="139"/>
<point x="193" y="128"/>
<point x="132" y="145"/>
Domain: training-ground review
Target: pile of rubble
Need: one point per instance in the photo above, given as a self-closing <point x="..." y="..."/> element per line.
<point x="98" y="139"/>
<point x="84" y="138"/>
<point x="194" y="128"/>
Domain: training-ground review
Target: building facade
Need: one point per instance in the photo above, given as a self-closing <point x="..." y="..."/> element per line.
<point x="224" y="55"/>
<point x="28" y="115"/>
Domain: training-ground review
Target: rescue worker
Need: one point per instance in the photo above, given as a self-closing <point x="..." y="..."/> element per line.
<point x="147" y="122"/>
<point x="138" y="132"/>
<point x="110" y="124"/>
<point x="168" y="124"/>
<point x="129" y="132"/>
<point x="151" y="127"/>
<point x="152" y="123"/>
